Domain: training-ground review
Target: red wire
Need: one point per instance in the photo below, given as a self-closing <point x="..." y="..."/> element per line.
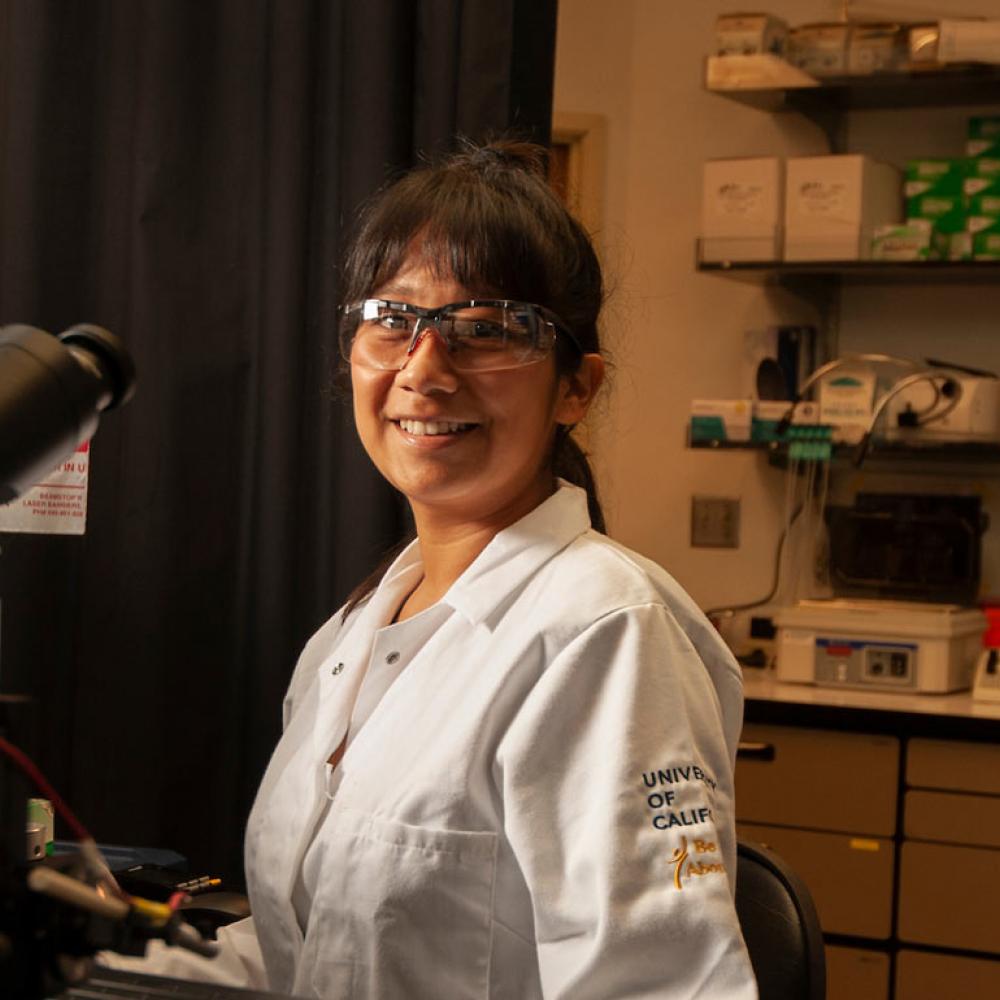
<point x="35" y="776"/>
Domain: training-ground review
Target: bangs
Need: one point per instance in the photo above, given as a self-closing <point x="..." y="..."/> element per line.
<point x="482" y="237"/>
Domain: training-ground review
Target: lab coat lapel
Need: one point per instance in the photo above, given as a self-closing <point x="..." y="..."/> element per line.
<point x="294" y="786"/>
<point x="518" y="552"/>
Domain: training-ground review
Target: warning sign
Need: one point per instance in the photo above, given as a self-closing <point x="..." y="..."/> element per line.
<point x="56" y="506"/>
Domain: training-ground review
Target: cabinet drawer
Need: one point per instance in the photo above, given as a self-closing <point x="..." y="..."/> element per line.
<point x="826" y="780"/>
<point x="947" y="896"/>
<point x="953" y="817"/>
<point x="922" y="975"/>
<point x="953" y="765"/>
<point x="856" y="974"/>
<point x="850" y="878"/>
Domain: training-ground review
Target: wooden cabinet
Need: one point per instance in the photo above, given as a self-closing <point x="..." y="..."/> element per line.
<point x="827" y="803"/>
<point x="850" y="877"/>
<point x="894" y="828"/>
<point x="949" y="876"/>
<point x="844" y="781"/>
<point x="856" y="973"/>
<point x="922" y="975"/>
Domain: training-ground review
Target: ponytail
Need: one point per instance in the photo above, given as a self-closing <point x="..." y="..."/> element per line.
<point x="569" y="462"/>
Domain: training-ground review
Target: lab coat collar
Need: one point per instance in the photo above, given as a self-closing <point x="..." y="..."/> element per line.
<point x="512" y="556"/>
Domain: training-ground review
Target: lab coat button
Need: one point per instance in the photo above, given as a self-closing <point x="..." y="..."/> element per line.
<point x="392" y="657"/>
<point x="337" y="669"/>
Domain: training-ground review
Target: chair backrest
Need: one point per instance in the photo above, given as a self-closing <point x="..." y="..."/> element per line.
<point x="780" y="926"/>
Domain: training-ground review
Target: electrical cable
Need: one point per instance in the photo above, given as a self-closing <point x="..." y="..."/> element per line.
<point x="861" y="452"/>
<point x="775" y="581"/>
<point x="91" y="855"/>
<point x="35" y="776"/>
<point x="830" y="366"/>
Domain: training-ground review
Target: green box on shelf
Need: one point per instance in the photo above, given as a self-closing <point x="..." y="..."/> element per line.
<point x="946" y="211"/>
<point x="986" y="239"/>
<point x="907" y="241"/>
<point x="936" y="176"/>
<point x="986" y="201"/>
<point x="982" y="167"/>
<point x="983" y="135"/>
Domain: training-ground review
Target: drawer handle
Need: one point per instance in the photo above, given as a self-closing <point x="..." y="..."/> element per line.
<point x="746" y="750"/>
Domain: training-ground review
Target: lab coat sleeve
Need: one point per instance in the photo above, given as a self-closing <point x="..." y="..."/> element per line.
<point x="239" y="962"/>
<point x="616" y="780"/>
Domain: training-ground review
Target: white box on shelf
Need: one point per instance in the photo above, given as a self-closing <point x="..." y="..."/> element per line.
<point x="846" y="399"/>
<point x="834" y="203"/>
<point x="969" y="40"/>
<point x="749" y="34"/>
<point x="820" y="49"/>
<point x="720" y="419"/>
<point x="741" y="209"/>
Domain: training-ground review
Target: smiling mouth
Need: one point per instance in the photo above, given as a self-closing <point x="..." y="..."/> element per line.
<point x="436" y="428"/>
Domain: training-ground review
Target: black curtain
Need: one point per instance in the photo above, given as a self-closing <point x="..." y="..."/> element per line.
<point x="183" y="172"/>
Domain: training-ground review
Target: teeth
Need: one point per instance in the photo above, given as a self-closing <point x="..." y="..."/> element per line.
<point x="419" y="428"/>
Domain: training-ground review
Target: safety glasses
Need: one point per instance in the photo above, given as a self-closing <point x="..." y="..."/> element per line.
<point x="479" y="334"/>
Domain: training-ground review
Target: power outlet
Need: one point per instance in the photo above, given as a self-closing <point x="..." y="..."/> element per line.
<point x="715" y="522"/>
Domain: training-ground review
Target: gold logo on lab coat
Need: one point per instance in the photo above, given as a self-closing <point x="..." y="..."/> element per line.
<point x="681" y="855"/>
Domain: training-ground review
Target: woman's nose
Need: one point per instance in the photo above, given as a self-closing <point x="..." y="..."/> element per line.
<point x="428" y="367"/>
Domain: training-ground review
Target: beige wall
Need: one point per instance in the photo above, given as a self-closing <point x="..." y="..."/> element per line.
<point x="676" y="334"/>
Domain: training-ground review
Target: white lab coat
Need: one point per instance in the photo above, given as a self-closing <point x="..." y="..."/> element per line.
<point x="540" y="804"/>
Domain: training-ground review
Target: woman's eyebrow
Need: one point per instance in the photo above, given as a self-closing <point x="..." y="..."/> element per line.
<point x="395" y="289"/>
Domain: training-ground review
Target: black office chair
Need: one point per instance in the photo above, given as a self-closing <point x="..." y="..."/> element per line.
<point x="779" y="925"/>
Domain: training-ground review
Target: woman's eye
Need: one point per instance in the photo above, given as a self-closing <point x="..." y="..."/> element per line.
<point x="393" y="321"/>
<point x="484" y="329"/>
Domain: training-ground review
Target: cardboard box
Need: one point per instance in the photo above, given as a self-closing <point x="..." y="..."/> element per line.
<point x="819" y="49"/>
<point x="982" y="147"/>
<point x="749" y="34"/>
<point x="874" y="48"/>
<point x="846" y="398"/>
<point x="909" y="241"/>
<point x="986" y="240"/>
<point x="741" y="209"/>
<point x="948" y="212"/>
<point x="969" y="40"/>
<point x="720" y="419"/>
<point x="986" y="199"/>
<point x="834" y="203"/>
<point x="936" y="176"/>
<point x="981" y="168"/>
<point x="955" y="246"/>
<point x="983" y="130"/>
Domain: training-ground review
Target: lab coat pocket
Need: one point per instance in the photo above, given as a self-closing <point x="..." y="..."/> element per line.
<point x="407" y="907"/>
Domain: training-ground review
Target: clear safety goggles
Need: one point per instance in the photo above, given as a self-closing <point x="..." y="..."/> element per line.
<point x="479" y="334"/>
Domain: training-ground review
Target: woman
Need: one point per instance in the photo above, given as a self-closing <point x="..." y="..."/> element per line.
<point x="506" y="769"/>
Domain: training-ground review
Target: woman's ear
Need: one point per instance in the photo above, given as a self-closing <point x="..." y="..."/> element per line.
<point x="578" y="389"/>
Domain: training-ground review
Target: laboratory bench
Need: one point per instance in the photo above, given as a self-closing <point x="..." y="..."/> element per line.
<point x="888" y="805"/>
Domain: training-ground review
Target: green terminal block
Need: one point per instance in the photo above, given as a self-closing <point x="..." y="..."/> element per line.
<point x="810" y="441"/>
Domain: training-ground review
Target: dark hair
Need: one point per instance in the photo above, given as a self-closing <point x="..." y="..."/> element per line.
<point x="487" y="216"/>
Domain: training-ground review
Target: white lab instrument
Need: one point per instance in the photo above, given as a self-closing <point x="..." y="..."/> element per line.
<point x="972" y="414"/>
<point x="878" y="644"/>
<point x="986" y="686"/>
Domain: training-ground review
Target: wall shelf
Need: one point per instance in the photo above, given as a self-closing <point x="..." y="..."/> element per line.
<point x="896" y="455"/>
<point x="859" y="272"/>
<point x="944" y="87"/>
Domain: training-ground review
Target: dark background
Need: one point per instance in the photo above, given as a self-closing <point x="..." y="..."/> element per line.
<point x="184" y="173"/>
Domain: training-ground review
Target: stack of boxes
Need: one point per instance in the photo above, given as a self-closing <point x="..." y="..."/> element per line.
<point x="848" y="207"/>
<point x="982" y="187"/>
<point x="833" y="205"/>
<point x="809" y="208"/>
<point x="952" y="205"/>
